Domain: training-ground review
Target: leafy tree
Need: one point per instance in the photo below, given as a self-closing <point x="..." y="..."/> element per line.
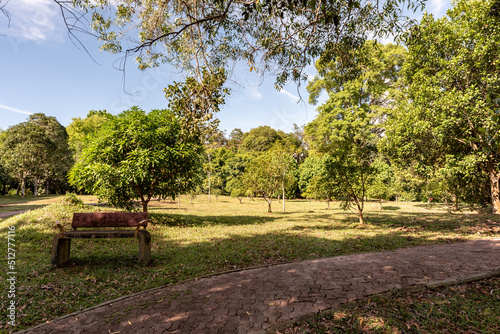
<point x="283" y="36"/>
<point x="58" y="159"/>
<point x="267" y="172"/>
<point x="80" y="130"/>
<point x="261" y="139"/>
<point x="236" y="188"/>
<point x="196" y="100"/>
<point x="37" y="149"/>
<point x="452" y="80"/>
<point x="348" y="125"/>
<point x="235" y="138"/>
<point x="382" y="185"/>
<point x="138" y="156"/>
<point x="315" y="181"/>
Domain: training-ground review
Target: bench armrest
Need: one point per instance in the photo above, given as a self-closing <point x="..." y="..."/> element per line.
<point x="143" y="223"/>
<point x="60" y="227"/>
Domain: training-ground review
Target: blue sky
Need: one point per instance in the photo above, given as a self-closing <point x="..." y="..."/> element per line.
<point x="42" y="70"/>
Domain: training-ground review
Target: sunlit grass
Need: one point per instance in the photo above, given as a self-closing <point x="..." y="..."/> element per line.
<point x="204" y="237"/>
<point x="466" y="308"/>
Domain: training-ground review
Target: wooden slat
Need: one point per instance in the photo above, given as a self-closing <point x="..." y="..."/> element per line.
<point x="100" y="234"/>
<point x="109" y="219"/>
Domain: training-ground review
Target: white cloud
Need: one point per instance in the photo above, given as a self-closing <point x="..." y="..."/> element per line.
<point x="254" y="92"/>
<point x="32" y="20"/>
<point x="15" y="110"/>
<point x="290" y="95"/>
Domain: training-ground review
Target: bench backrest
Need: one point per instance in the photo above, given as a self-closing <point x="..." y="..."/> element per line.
<point x="109" y="219"/>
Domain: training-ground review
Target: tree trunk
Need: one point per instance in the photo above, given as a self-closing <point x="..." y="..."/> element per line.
<point x="144" y="206"/>
<point x="283" y="197"/>
<point x="35" y="190"/>
<point x="328" y="203"/>
<point x="269" y="206"/>
<point x="380" y="202"/>
<point x="23" y="186"/>
<point x="495" y="190"/>
<point x="179" y="200"/>
<point x="360" y="214"/>
<point x="454" y="198"/>
<point x="47" y="187"/>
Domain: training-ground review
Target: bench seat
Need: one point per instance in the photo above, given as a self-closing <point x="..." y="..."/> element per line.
<point x="62" y="240"/>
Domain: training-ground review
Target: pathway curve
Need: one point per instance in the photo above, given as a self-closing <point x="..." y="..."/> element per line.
<point x="253" y="300"/>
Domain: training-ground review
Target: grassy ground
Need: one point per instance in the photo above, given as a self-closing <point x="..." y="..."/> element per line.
<point x="16" y="203"/>
<point x="467" y="308"/>
<point x="202" y="238"/>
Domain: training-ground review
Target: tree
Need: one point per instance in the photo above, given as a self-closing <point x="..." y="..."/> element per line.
<point x="80" y="130"/>
<point x="138" y="156"/>
<point x="36" y="149"/>
<point x="315" y="181"/>
<point x="452" y="84"/>
<point x="261" y="139"/>
<point x="267" y="172"/>
<point x="382" y="185"/>
<point x="282" y="36"/>
<point x="348" y="125"/>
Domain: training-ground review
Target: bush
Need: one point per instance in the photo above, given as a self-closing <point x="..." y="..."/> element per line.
<point x="71" y="199"/>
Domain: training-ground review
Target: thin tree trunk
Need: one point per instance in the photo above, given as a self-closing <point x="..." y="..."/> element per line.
<point x="283" y="189"/>
<point x="144" y="206"/>
<point x="495" y="190"/>
<point x="178" y="199"/>
<point x="380" y="201"/>
<point x="47" y="187"/>
<point x="35" y="192"/>
<point x="269" y="206"/>
<point x="23" y="186"/>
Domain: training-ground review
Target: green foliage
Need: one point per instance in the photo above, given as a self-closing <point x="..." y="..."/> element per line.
<point x="138" y="156"/>
<point x="348" y="125"/>
<point x="195" y="102"/>
<point x="81" y="130"/>
<point x="261" y="139"/>
<point x="268" y="171"/>
<point x="284" y="36"/>
<point x="71" y="199"/>
<point x="451" y="83"/>
<point x="37" y="149"/>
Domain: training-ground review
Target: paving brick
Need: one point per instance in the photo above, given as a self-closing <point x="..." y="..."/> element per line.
<point x="250" y="300"/>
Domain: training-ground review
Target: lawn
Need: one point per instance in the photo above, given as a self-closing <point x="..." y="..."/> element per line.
<point x="465" y="308"/>
<point x="203" y="238"/>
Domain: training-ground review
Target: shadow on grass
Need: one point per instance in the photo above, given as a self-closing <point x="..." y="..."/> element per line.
<point x="19" y="207"/>
<point x="184" y="220"/>
<point x="102" y="269"/>
<point x="391" y="208"/>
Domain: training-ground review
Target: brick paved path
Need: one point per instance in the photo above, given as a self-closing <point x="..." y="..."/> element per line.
<point x="249" y="301"/>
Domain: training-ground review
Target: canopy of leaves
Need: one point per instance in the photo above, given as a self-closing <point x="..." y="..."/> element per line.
<point x="36" y="148"/>
<point x="138" y="156"/>
<point x="80" y="130"/>
<point x="452" y="75"/>
<point x="282" y="36"/>
<point x="261" y="139"/>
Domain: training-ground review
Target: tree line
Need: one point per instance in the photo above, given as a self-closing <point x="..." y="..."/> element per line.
<point x="415" y="123"/>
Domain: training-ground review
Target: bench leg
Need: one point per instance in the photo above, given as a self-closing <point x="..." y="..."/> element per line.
<point x="60" y="250"/>
<point x="144" y="246"/>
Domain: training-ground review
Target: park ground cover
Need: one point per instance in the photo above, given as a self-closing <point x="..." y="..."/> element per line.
<point x="201" y="238"/>
<point x="465" y="308"/>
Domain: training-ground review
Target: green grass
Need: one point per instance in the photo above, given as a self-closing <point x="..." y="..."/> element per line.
<point x="466" y="308"/>
<point x="15" y="203"/>
<point x="205" y="238"/>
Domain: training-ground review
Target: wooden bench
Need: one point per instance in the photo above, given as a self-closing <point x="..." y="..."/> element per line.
<point x="62" y="240"/>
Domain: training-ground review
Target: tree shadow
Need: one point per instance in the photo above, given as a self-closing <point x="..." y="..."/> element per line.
<point x="390" y="208"/>
<point x="186" y="220"/>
